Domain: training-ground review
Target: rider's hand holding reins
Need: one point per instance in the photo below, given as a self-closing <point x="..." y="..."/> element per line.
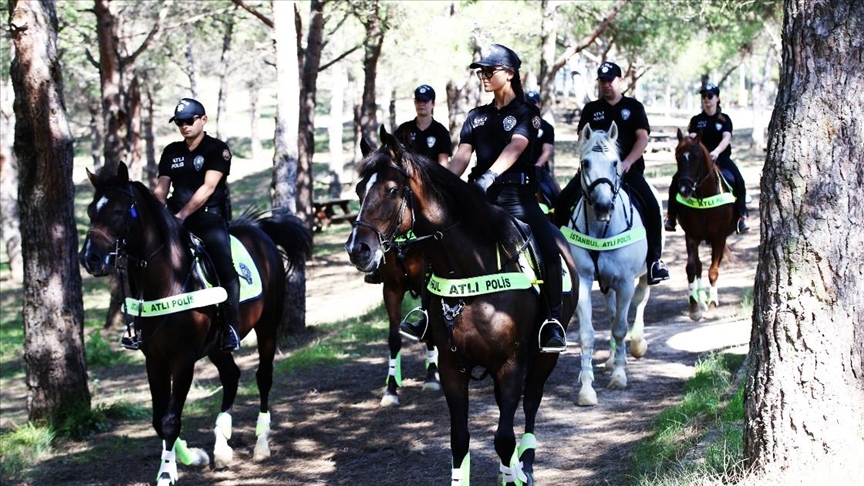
<point x="486" y="180"/>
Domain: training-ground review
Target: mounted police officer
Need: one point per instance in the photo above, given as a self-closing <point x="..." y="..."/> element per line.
<point x="197" y="168"/>
<point x="424" y="135"/>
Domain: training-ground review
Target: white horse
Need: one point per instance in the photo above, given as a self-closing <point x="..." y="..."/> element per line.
<point x="608" y="243"/>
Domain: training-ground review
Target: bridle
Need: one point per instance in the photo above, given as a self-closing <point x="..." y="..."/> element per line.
<point x="588" y="188"/>
<point x="120" y="258"/>
<point x="693" y="182"/>
<point x="406" y="201"/>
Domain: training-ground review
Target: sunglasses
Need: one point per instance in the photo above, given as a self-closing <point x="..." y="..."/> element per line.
<point x="708" y="96"/>
<point x="186" y="122"/>
<point x="487" y="72"/>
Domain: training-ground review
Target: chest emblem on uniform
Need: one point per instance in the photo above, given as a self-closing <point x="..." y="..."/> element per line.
<point x="430" y="142"/>
<point x="509" y="123"/>
<point x="718" y="126"/>
<point x="478" y="122"/>
<point x="226" y="154"/>
<point x="198" y="162"/>
<point x="536" y="122"/>
<point x="625" y="114"/>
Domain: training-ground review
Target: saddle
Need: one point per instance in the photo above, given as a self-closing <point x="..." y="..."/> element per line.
<point x="205" y="272"/>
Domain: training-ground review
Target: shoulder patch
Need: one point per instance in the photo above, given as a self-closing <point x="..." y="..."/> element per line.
<point x="536" y="122"/>
<point x="226" y="154"/>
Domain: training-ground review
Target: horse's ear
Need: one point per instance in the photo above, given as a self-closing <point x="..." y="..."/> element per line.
<point x="613" y="132"/>
<point x="122" y="172"/>
<point x="680" y="135"/>
<point x="91" y="176"/>
<point x="586" y="132"/>
<point x="365" y="148"/>
<point x="391" y="143"/>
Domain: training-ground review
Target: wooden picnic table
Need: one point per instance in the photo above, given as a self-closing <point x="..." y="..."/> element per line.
<point x="332" y="211"/>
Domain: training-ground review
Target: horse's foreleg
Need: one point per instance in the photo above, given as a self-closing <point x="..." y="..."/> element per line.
<point x="455" y="386"/>
<point x="508" y="390"/>
<point x="229" y="375"/>
<point x="171" y="422"/>
<point x="638" y="343"/>
<point x="624" y="295"/>
<point x="694" y="278"/>
<point x="717" y="250"/>
<point x="587" y="395"/>
<point x="539" y="372"/>
<point x="393" y="302"/>
<point x="433" y="382"/>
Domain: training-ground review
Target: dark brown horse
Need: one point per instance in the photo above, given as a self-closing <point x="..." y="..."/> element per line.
<point x="131" y="231"/>
<point x="472" y="247"/>
<point x="402" y="271"/>
<point x="706" y="213"/>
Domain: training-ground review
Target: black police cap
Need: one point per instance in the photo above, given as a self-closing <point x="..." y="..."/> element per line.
<point x="710" y="88"/>
<point x="187" y="109"/>
<point x="499" y="56"/>
<point x="424" y="92"/>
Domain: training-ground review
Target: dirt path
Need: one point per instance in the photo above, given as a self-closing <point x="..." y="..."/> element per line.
<point x="328" y="428"/>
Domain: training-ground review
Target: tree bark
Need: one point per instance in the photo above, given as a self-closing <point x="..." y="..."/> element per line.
<point x="308" y="92"/>
<point x="53" y="312"/>
<point x="805" y="390"/>
<point x="9" y="223"/>
<point x="335" y="129"/>
<point x="372" y="43"/>
<point x="223" y="75"/>
<point x="114" y="114"/>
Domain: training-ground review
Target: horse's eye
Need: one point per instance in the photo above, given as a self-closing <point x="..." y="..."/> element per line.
<point x="584" y="163"/>
<point x="392" y="193"/>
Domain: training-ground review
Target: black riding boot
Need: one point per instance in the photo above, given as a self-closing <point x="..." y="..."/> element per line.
<point x="230" y="316"/>
<point x="552" y="338"/>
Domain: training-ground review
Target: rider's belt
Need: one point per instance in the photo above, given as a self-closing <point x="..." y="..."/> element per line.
<point x="514" y="178"/>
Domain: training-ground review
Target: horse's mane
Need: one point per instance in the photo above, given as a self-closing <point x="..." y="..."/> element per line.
<point x="478" y="217"/>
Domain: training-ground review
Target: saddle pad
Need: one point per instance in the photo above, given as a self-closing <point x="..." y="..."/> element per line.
<point x="250" y="279"/>
<point x="175" y="303"/>
<point x="528" y="268"/>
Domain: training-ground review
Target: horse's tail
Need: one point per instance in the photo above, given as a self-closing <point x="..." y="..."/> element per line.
<point x="292" y="236"/>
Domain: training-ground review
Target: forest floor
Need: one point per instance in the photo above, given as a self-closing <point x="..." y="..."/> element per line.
<point x="329" y="429"/>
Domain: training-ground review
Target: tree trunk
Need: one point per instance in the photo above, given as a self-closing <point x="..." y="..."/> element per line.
<point x="223" y="75"/>
<point x="372" y="42"/>
<point x="334" y="130"/>
<point x="151" y="171"/>
<point x="286" y="149"/>
<point x="53" y="312"/>
<point x="191" y="69"/>
<point x="548" y="36"/>
<point x="135" y="161"/>
<point x="805" y="389"/>
<point x="308" y="92"/>
<point x="255" y="114"/>
<point x="9" y="227"/>
<point x="114" y="114"/>
<point x="96" y="145"/>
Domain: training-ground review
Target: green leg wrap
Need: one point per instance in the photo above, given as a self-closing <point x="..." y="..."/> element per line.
<point x="395" y="369"/>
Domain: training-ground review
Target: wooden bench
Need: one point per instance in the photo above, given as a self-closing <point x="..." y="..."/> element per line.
<point x="332" y="211"/>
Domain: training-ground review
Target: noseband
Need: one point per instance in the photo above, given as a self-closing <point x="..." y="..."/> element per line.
<point x="588" y="189"/>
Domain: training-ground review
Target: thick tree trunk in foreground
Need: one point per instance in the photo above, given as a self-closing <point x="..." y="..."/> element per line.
<point x="53" y="311"/>
<point x="805" y="390"/>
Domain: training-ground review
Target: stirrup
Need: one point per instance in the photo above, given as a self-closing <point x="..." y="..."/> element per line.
<point x="669" y="224"/>
<point x="132" y="343"/>
<point x="559" y="347"/>
<point x="416" y="330"/>
<point x="230" y="339"/>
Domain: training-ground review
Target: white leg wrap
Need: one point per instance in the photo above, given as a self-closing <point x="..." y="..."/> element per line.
<point x="223" y="455"/>
<point x="168" y="466"/>
<point x="432" y="357"/>
<point x="461" y="476"/>
<point x="223" y="423"/>
<point x="263" y="424"/>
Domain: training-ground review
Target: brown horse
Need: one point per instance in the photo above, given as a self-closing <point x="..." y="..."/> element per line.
<point x="706" y="213"/>
<point x="402" y="271"/>
<point x="131" y="231"/>
<point x="472" y="247"/>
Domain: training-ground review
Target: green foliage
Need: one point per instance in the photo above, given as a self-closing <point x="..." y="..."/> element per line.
<point x="659" y="460"/>
<point x="103" y="352"/>
<point x="23" y="447"/>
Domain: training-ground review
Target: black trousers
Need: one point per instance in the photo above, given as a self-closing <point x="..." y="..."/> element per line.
<point x="212" y="229"/>
<point x="640" y="191"/>
<point x="739" y="190"/>
<point x="520" y="201"/>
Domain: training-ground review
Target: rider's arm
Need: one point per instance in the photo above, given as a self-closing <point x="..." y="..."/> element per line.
<point x="199" y="199"/>
<point x="161" y="189"/>
<point x="637" y="150"/>
<point x="443" y="158"/>
<point x="510" y="154"/>
<point x="545" y="154"/>
<point x="724" y="142"/>
<point x="461" y="159"/>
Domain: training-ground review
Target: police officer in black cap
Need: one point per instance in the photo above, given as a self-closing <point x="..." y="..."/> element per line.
<point x="424" y="135"/>
<point x="503" y="134"/>
<point x="633" y="129"/>
<point x="196" y="168"/>
<point x="716" y="130"/>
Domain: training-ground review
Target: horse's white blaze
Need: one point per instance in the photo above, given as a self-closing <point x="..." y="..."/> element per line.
<point x="101" y="203"/>
<point x="352" y="239"/>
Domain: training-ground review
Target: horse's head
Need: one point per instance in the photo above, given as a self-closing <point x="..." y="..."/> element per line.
<point x="385" y="202"/>
<point x="694" y="163"/>
<point x="600" y="169"/>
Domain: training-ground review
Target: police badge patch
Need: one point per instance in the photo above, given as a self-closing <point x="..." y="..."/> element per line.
<point x="226" y="154"/>
<point x="625" y="114"/>
<point x="718" y="126"/>
<point x="509" y="123"/>
<point x="198" y="162"/>
<point x="536" y="122"/>
<point x="430" y="142"/>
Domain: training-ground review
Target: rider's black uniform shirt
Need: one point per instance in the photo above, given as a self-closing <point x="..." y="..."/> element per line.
<point x="628" y="114"/>
<point x="489" y="130"/>
<point x="712" y="128"/>
<point x="429" y="143"/>
<point x="186" y="169"/>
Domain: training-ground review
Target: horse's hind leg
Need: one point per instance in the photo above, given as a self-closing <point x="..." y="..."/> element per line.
<point x="718" y="248"/>
<point x="587" y="395"/>
<point x="508" y="390"/>
<point x="535" y="383"/>
<point x="455" y="386"/>
<point x="393" y="302"/>
<point x="433" y="382"/>
<point x="264" y="378"/>
<point x="638" y="343"/>
<point x="229" y="375"/>
<point x="694" y="278"/>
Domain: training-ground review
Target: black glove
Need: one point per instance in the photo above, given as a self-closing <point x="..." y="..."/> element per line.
<point x="486" y="180"/>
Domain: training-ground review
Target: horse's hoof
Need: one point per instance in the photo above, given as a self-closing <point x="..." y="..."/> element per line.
<point x="696" y="316"/>
<point x="262" y="448"/>
<point x="587" y="398"/>
<point x="390" y="400"/>
<point x="165" y="480"/>
<point x="609" y="365"/>
<point x="197" y="457"/>
<point x="638" y="347"/>
<point x="432" y="385"/>
<point x="530" y="480"/>
<point x="619" y="380"/>
<point x="223" y="454"/>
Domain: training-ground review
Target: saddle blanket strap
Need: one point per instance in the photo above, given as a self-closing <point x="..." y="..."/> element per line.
<point x="708" y="202"/>
<point x="485" y="284"/>
<point x="603" y="244"/>
<point x="175" y="303"/>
